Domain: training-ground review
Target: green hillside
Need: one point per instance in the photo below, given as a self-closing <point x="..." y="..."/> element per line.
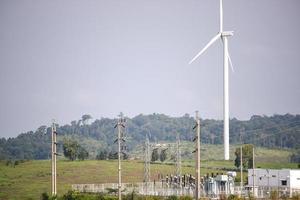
<point x="29" y="179"/>
<point x="215" y="152"/>
<point x="278" y="131"/>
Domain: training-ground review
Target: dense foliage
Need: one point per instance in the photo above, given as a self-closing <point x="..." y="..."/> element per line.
<point x="73" y="150"/>
<point x="278" y="131"/>
<point x="247" y="156"/>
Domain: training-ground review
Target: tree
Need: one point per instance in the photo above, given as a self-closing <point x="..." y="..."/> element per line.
<point x="82" y="153"/>
<point x="70" y="148"/>
<point x="163" y="155"/>
<point x="154" y="155"/>
<point x="295" y="157"/>
<point x="74" y="123"/>
<point x="247" y="156"/>
<point x="112" y="155"/>
<point x="85" y="119"/>
<point x="102" y="155"/>
<point x="42" y="130"/>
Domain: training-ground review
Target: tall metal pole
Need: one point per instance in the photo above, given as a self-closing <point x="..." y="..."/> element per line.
<point x="197" y="155"/>
<point x="53" y="159"/>
<point x="147" y="165"/>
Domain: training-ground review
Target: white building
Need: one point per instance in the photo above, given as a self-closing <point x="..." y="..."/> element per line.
<point x="274" y="178"/>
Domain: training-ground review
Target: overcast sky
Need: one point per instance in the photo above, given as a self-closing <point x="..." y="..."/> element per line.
<point x="62" y="59"/>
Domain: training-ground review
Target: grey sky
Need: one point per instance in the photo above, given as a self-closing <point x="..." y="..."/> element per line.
<point x="62" y="59"/>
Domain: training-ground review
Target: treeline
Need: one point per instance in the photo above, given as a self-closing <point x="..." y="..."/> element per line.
<point x="278" y="131"/>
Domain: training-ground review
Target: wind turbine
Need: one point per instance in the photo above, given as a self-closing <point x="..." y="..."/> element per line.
<point x="223" y="35"/>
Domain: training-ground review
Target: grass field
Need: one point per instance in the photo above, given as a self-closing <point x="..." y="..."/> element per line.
<point x="29" y="179"/>
<point x="215" y="152"/>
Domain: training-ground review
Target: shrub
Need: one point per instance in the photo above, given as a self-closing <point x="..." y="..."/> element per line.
<point x="233" y="197"/>
<point x="8" y="163"/>
<point x="185" y="198"/>
<point x="173" y="197"/>
<point x="70" y="195"/>
<point x="44" y="196"/>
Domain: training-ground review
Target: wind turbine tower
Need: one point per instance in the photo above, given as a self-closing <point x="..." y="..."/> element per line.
<point x="223" y="35"/>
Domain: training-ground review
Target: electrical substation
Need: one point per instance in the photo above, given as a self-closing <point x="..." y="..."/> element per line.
<point x="260" y="181"/>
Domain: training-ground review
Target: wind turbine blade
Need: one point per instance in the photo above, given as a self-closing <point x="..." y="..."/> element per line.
<point x="221" y="16"/>
<point x="206" y="47"/>
<point x="231" y="65"/>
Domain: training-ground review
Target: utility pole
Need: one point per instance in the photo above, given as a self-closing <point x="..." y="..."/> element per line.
<point x="197" y="157"/>
<point x="178" y="161"/>
<point x="147" y="164"/>
<point x="121" y="127"/>
<point x="53" y="158"/>
<point x="241" y="165"/>
<point x="253" y="166"/>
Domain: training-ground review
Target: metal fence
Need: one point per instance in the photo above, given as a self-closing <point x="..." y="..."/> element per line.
<point x="163" y="189"/>
<point x="156" y="189"/>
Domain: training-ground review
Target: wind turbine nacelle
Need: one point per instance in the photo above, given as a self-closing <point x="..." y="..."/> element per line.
<point x="227" y="33"/>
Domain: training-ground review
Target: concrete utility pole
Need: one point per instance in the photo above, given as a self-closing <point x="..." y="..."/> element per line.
<point x="253" y="166"/>
<point x="178" y="161"/>
<point x="121" y="127"/>
<point x="197" y="156"/>
<point x="241" y="165"/>
<point x="147" y="164"/>
<point x="53" y="158"/>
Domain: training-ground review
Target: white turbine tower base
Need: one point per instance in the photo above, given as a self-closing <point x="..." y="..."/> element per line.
<point x="223" y="35"/>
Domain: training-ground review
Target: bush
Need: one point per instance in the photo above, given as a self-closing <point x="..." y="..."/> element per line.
<point x="185" y="198"/>
<point x="44" y="196"/>
<point x="233" y="197"/>
<point x="71" y="195"/>
<point x="8" y="163"/>
<point x="173" y="197"/>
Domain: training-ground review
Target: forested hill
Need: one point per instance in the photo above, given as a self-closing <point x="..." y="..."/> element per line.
<point x="279" y="131"/>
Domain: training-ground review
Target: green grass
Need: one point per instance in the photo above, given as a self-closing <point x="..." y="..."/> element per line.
<point x="216" y="152"/>
<point x="29" y="179"/>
